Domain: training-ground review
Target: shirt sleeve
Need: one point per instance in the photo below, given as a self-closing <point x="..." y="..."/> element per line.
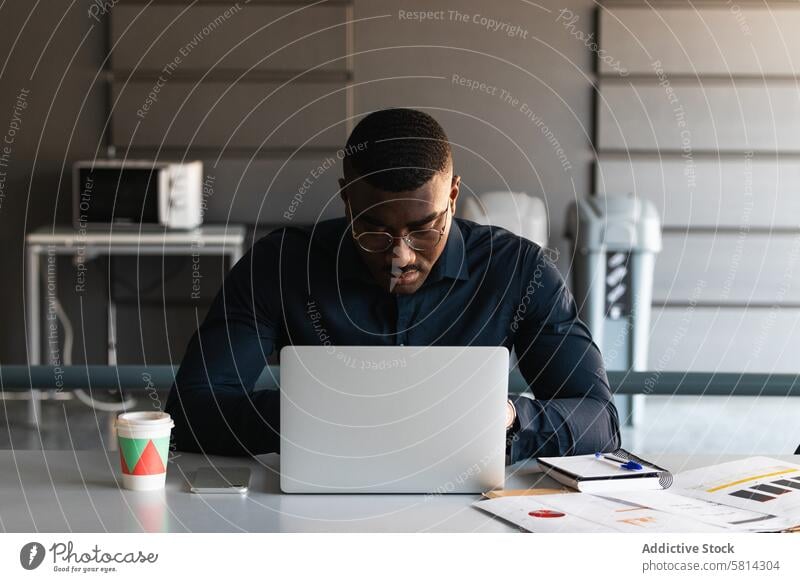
<point x="212" y="400"/>
<point x="573" y="412"/>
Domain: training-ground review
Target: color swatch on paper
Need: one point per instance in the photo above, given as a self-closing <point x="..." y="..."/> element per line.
<point x="754" y="495"/>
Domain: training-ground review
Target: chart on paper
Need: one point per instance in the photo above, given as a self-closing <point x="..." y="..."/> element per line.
<point x="582" y="513"/>
<point x="757" y="483"/>
<point x="728" y="516"/>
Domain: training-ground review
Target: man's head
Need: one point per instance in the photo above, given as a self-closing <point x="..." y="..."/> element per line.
<point x="398" y="181"/>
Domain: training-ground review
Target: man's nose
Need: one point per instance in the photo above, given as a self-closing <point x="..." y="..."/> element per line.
<point x="402" y="254"/>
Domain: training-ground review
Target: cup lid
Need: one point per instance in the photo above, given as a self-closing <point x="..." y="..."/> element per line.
<point x="145" y="419"/>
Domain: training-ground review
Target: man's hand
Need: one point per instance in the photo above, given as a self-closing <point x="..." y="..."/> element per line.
<point x="511" y="414"/>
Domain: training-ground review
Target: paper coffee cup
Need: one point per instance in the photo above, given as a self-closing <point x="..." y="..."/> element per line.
<point x="143" y="439"/>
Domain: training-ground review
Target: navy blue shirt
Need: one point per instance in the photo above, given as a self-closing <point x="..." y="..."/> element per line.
<point x="309" y="286"/>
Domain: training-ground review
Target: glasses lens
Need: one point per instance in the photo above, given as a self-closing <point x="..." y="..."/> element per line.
<point x="375" y="242"/>
<point x="424" y="240"/>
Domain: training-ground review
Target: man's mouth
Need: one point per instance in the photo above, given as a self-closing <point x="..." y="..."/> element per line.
<point x="405" y="278"/>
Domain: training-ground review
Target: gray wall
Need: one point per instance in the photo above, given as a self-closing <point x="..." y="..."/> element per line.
<point x="706" y="125"/>
<point x="726" y="297"/>
<point x="539" y="144"/>
<point x="54" y="52"/>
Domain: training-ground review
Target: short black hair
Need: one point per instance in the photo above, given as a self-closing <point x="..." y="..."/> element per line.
<point x="396" y="150"/>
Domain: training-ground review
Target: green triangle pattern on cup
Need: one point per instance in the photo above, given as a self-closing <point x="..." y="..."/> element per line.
<point x="132" y="450"/>
<point x="162" y="446"/>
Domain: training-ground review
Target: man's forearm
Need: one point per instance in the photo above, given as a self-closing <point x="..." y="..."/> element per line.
<point x="212" y="401"/>
<point x="225" y="422"/>
<point x="565" y="426"/>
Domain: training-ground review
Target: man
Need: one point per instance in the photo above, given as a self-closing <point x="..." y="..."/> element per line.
<point x="398" y="269"/>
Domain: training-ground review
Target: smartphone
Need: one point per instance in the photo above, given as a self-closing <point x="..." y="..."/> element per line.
<point x="221" y="480"/>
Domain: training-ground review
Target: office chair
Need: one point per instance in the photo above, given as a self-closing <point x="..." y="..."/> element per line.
<point x="518" y="212"/>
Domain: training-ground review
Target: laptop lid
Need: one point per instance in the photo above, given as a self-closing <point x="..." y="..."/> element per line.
<point x="386" y="419"/>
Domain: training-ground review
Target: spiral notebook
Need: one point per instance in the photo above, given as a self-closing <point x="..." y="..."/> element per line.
<point x="586" y="473"/>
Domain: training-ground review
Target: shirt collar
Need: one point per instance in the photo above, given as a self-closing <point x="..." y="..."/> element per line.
<point x="452" y="263"/>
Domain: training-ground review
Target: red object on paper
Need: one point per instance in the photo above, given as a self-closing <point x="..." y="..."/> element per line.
<point x="545" y="513"/>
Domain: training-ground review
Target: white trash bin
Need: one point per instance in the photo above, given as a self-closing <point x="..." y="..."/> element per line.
<point x="615" y="241"/>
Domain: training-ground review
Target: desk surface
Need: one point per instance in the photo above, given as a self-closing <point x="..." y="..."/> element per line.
<point x="78" y="491"/>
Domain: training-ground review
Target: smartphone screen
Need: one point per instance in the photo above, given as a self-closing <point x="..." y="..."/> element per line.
<point x="221" y="480"/>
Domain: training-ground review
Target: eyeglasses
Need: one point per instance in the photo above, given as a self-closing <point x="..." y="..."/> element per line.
<point x="419" y="240"/>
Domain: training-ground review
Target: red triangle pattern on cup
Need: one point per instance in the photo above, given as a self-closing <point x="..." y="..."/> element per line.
<point x="124" y="466"/>
<point x="150" y="462"/>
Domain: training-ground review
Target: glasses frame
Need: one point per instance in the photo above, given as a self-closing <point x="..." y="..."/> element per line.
<point x="406" y="237"/>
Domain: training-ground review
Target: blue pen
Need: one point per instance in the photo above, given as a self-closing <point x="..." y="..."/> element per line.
<point x="621" y="463"/>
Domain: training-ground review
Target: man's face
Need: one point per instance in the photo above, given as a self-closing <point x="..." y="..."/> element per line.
<point x="401" y="269"/>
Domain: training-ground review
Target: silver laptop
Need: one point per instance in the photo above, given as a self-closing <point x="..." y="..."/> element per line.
<point x="384" y="419"/>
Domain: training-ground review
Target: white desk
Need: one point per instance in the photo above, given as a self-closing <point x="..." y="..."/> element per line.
<point x="63" y="491"/>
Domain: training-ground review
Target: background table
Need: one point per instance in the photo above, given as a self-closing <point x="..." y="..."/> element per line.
<point x="223" y="240"/>
<point x="79" y="491"/>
